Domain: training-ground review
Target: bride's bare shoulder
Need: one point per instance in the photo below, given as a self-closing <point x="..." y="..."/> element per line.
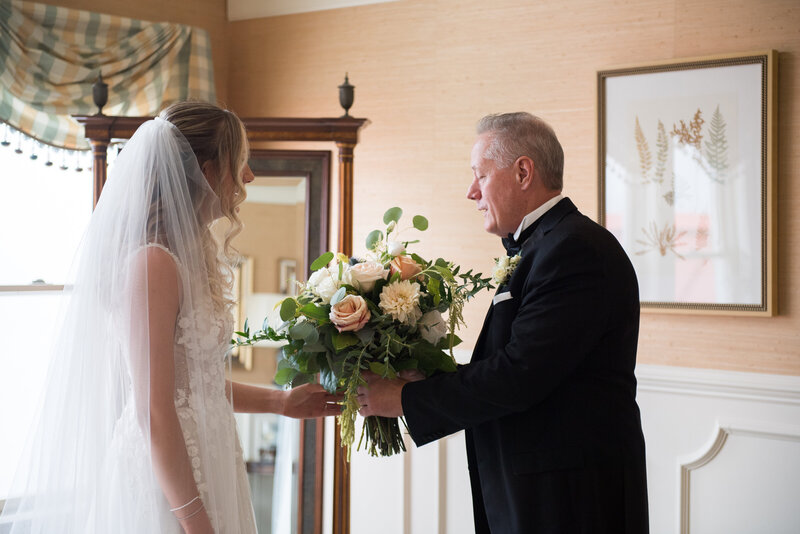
<point x="156" y="269"/>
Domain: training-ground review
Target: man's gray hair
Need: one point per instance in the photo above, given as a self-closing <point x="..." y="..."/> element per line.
<point x="522" y="134"/>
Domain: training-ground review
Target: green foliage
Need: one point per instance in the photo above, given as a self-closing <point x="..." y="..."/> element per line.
<point x="373" y="238"/>
<point x="288" y="309"/>
<point x="420" y="222"/>
<point x="392" y="214"/>
<point x="322" y="261"/>
<point x="314" y="349"/>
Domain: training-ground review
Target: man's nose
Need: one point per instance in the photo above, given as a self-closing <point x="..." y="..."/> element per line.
<point x="473" y="192"/>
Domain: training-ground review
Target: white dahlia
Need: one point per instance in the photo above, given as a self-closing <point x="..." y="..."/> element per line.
<point x="401" y="300"/>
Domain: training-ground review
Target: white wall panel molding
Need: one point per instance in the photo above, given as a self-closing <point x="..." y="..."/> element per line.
<point x="718" y="437"/>
<point x="712" y="437"/>
<point x="716" y="383"/>
<point x="712" y="449"/>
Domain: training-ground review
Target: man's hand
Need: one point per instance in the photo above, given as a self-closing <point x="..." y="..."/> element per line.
<point x="382" y="396"/>
<point x="310" y="400"/>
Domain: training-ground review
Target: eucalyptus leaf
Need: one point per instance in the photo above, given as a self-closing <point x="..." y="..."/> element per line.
<point x="285" y="375"/>
<point x="322" y="261"/>
<point x="311" y="337"/>
<point x="338" y="296"/>
<point x="420" y="222"/>
<point x="373" y="238"/>
<point x="288" y="308"/>
<point x="392" y="214"/>
<point x="302" y="330"/>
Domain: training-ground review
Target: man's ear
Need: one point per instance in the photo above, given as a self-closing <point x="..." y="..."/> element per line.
<point x="524" y="170"/>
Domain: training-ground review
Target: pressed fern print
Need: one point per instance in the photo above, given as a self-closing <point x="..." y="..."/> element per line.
<point x="662" y="152"/>
<point x="717" y="147"/>
<point x="645" y="160"/>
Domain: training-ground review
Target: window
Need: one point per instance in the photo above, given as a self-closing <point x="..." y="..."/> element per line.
<point x="44" y="210"/>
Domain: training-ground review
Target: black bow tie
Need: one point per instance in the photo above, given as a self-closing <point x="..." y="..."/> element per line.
<point x="513" y="246"/>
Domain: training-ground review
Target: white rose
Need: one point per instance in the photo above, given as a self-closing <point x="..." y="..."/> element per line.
<point x="350" y="313"/>
<point x="432" y="327"/>
<point x="365" y="274"/>
<point x="317" y="276"/>
<point x="325" y="282"/>
<point x="395" y="248"/>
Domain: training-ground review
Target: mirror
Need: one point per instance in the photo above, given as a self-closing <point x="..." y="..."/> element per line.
<point x="285" y="220"/>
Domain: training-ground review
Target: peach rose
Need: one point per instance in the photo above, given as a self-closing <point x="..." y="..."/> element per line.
<point x="367" y="273"/>
<point x="406" y="266"/>
<point x="350" y="313"/>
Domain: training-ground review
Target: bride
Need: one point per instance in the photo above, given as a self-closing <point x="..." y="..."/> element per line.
<point x="136" y="431"/>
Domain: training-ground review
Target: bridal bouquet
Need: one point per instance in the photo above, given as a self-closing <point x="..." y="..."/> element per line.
<point x="384" y="313"/>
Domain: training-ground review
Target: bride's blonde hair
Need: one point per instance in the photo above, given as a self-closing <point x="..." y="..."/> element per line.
<point x="219" y="140"/>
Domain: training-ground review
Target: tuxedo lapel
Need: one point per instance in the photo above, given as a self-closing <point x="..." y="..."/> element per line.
<point x="547" y="222"/>
<point x="528" y="239"/>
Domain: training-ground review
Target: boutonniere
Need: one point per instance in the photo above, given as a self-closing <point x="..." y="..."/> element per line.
<point x="504" y="267"/>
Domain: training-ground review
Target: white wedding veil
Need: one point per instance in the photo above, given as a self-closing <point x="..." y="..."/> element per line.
<point x="87" y="466"/>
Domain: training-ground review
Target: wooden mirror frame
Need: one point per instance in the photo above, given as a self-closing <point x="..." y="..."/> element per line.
<point x="100" y="130"/>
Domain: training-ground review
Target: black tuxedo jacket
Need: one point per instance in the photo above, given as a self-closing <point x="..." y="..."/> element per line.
<point x="553" y="432"/>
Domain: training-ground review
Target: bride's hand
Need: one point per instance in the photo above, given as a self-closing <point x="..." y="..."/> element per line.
<point x="310" y="400"/>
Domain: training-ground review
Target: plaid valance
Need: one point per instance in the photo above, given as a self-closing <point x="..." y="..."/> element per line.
<point x="50" y="57"/>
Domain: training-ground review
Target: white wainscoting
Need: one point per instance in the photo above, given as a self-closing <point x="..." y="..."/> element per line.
<point x="723" y="456"/>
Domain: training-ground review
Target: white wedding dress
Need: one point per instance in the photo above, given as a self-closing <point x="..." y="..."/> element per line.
<point x="203" y="338"/>
<point x="88" y="466"/>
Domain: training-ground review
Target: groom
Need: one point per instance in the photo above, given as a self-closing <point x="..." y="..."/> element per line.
<point x="553" y="432"/>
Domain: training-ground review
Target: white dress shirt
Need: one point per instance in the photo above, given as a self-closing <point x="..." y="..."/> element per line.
<point x="530" y="218"/>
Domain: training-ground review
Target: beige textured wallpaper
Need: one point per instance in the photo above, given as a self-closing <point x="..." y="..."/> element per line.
<point x="425" y="71"/>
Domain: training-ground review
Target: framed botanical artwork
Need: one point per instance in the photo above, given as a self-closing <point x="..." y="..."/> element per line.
<point x="687" y="153"/>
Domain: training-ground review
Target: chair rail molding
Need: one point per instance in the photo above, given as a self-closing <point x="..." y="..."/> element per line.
<point x="716" y="383"/>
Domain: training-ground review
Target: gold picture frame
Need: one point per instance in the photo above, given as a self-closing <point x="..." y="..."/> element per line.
<point x="687" y="179"/>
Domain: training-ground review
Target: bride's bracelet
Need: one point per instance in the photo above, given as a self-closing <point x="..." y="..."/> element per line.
<point x="192" y="514"/>
<point x="185" y="505"/>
